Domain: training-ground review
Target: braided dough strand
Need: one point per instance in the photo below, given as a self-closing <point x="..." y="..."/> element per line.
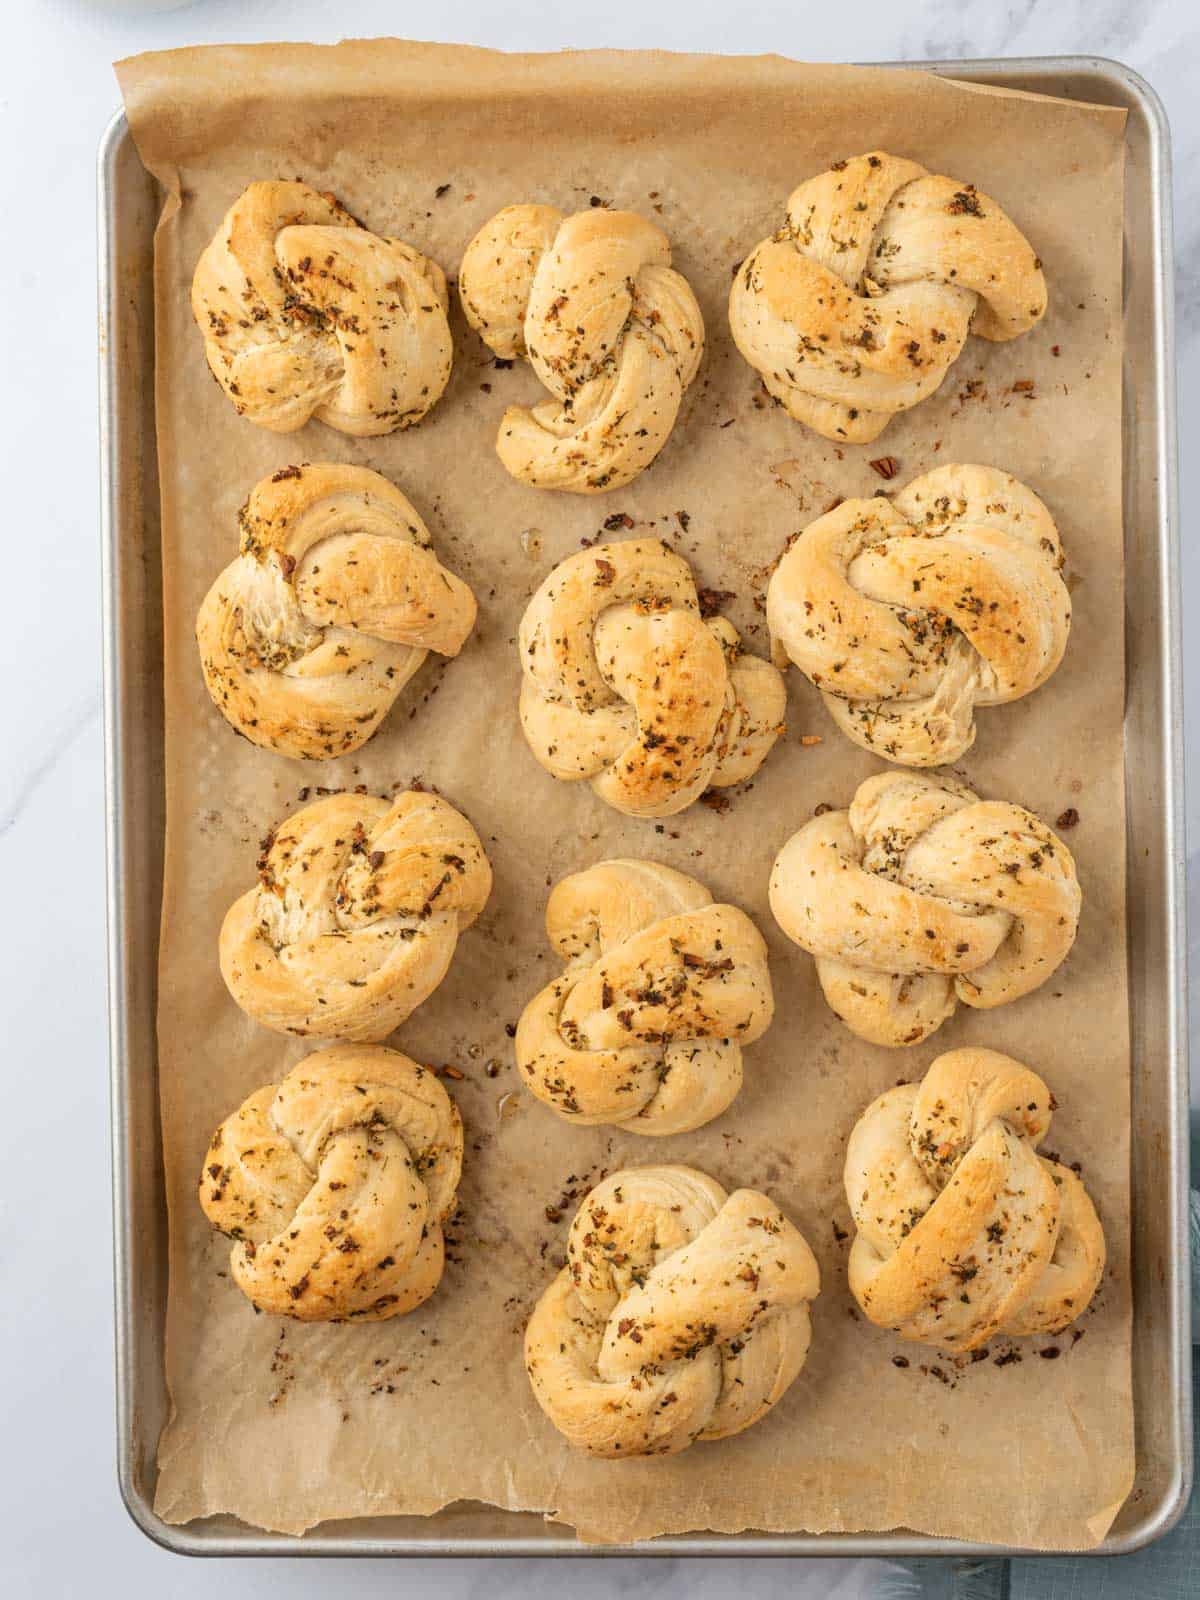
<point x="909" y="613"/>
<point x="922" y="895"/>
<point x="682" y="1314"/>
<point x="625" y="684"/>
<point x="964" y="1231"/>
<point x="306" y="314"/>
<point x="335" y="1186"/>
<point x="661" y="991"/>
<point x="614" y="333"/>
<point x="857" y="308"/>
<point x="356" y="915"/>
<point x="309" y="636"/>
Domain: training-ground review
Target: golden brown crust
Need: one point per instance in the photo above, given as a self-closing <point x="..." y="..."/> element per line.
<point x="857" y="308"/>
<point x="908" y="613"/>
<point x="613" y="332"/>
<point x="306" y="314"/>
<point x="625" y="684"/>
<point x="964" y="1231"/>
<point x="356" y="915"/>
<point x="662" y="988"/>
<point x="335" y="1184"/>
<point x="682" y="1314"/>
<point x="308" y="637"/>
<point x="922" y="895"/>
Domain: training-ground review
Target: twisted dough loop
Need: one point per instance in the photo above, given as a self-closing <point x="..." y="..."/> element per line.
<point x="922" y="895"/>
<point x="682" y="1314"/>
<point x="613" y="332"/>
<point x="964" y="1231"/>
<point x="908" y="614"/>
<point x="308" y="637"/>
<point x="356" y="915"/>
<point x="335" y="1185"/>
<point x="662" y="988"/>
<point x="306" y="314"/>
<point x="857" y="308"/>
<point x="627" y="685"/>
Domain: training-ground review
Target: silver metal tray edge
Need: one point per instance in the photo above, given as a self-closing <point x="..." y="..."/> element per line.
<point x="1156" y="856"/>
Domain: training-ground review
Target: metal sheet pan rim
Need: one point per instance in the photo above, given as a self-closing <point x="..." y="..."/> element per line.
<point x="242" y="1540"/>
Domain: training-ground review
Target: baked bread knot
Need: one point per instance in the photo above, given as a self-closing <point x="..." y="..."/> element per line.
<point x="662" y="989"/>
<point x="355" y="916"/>
<point x="964" y="1231"/>
<point x="858" y="307"/>
<point x="922" y="895"/>
<point x="308" y="637"/>
<point x="682" y="1314"/>
<point x="306" y="314"/>
<point x="335" y="1185"/>
<point x="613" y="332"/>
<point x="908" y="613"/>
<point x="627" y="684"/>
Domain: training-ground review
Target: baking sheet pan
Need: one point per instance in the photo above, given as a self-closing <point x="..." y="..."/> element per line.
<point x="129" y="206"/>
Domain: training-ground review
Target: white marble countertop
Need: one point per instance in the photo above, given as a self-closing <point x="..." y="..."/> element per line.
<point x="62" y="1524"/>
